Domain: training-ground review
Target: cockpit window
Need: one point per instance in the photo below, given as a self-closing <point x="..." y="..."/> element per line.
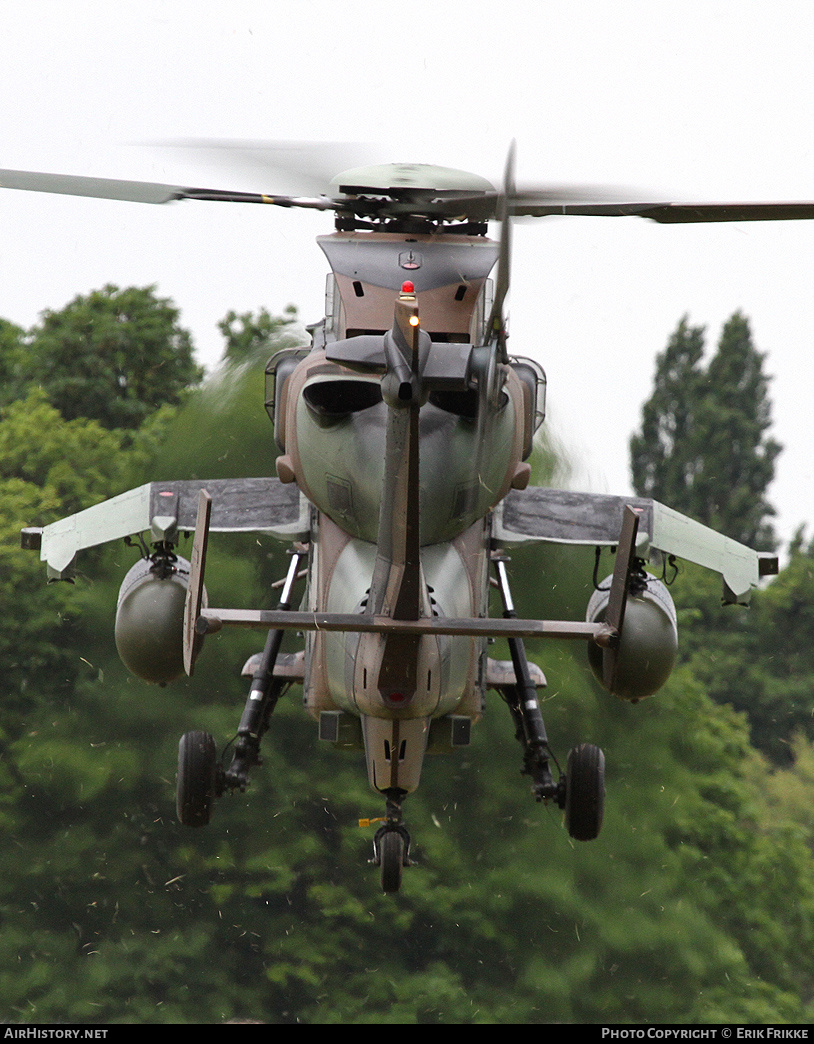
<point x="334" y="399"/>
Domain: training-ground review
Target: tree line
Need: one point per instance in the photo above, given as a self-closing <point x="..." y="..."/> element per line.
<point x="695" y="904"/>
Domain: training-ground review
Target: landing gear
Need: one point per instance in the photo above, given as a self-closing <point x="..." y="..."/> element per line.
<point x="198" y="782"/>
<point x="201" y="778"/>
<point x="391" y="845"/>
<point x="580" y="790"/>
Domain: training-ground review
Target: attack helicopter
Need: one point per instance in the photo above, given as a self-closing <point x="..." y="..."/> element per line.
<point x="404" y="430"/>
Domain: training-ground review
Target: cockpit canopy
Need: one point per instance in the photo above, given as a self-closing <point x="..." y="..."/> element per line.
<point x="448" y="274"/>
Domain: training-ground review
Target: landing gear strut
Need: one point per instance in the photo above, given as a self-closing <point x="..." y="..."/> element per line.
<point x="201" y="778"/>
<point x="580" y="790"/>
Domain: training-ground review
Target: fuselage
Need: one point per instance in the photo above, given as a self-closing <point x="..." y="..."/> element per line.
<point x="472" y="436"/>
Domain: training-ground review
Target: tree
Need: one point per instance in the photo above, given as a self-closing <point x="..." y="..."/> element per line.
<point x="661" y="460"/>
<point x="704" y="447"/>
<point x="49" y="467"/>
<point x="113" y="355"/>
<point x="760" y="661"/>
<point x="248" y="335"/>
<point x="734" y="417"/>
<point x="12" y="356"/>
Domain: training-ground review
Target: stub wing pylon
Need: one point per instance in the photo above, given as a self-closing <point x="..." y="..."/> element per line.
<point x="165" y="509"/>
<point x="595" y="519"/>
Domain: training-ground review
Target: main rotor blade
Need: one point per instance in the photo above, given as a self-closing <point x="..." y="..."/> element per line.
<point x="146" y="191"/>
<point x="104" y="188"/>
<point x="667" y="213"/>
<point x="536" y="201"/>
<point x="542" y="202"/>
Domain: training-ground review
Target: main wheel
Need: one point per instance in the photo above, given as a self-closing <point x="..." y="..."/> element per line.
<point x="391" y="857"/>
<point x="197" y="772"/>
<point x="585" y="792"/>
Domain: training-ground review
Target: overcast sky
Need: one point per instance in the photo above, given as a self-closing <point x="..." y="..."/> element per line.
<point x="683" y="100"/>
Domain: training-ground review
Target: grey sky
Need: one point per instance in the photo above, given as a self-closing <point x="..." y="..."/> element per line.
<point x="703" y="100"/>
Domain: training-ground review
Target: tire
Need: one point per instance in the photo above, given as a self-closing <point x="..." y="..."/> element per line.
<point x="197" y="768"/>
<point x="585" y="792"/>
<point x="391" y="856"/>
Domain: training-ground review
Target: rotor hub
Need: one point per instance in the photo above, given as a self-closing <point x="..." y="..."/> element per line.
<point x="419" y="180"/>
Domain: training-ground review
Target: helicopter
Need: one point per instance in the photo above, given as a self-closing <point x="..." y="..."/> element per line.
<point x="404" y="431"/>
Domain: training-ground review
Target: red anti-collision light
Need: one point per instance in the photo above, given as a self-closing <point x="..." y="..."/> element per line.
<point x="407" y="287"/>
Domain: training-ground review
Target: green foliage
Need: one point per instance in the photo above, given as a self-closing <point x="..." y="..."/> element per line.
<point x="48" y="467"/>
<point x="662" y="463"/>
<point x="77" y="461"/>
<point x="112" y="355"/>
<point x="13" y="348"/>
<point x="248" y="336"/>
<point x="703" y="447"/>
<point x="759" y="660"/>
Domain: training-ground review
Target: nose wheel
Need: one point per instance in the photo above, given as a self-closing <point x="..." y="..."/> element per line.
<point x="391" y="845"/>
<point x="391" y="860"/>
